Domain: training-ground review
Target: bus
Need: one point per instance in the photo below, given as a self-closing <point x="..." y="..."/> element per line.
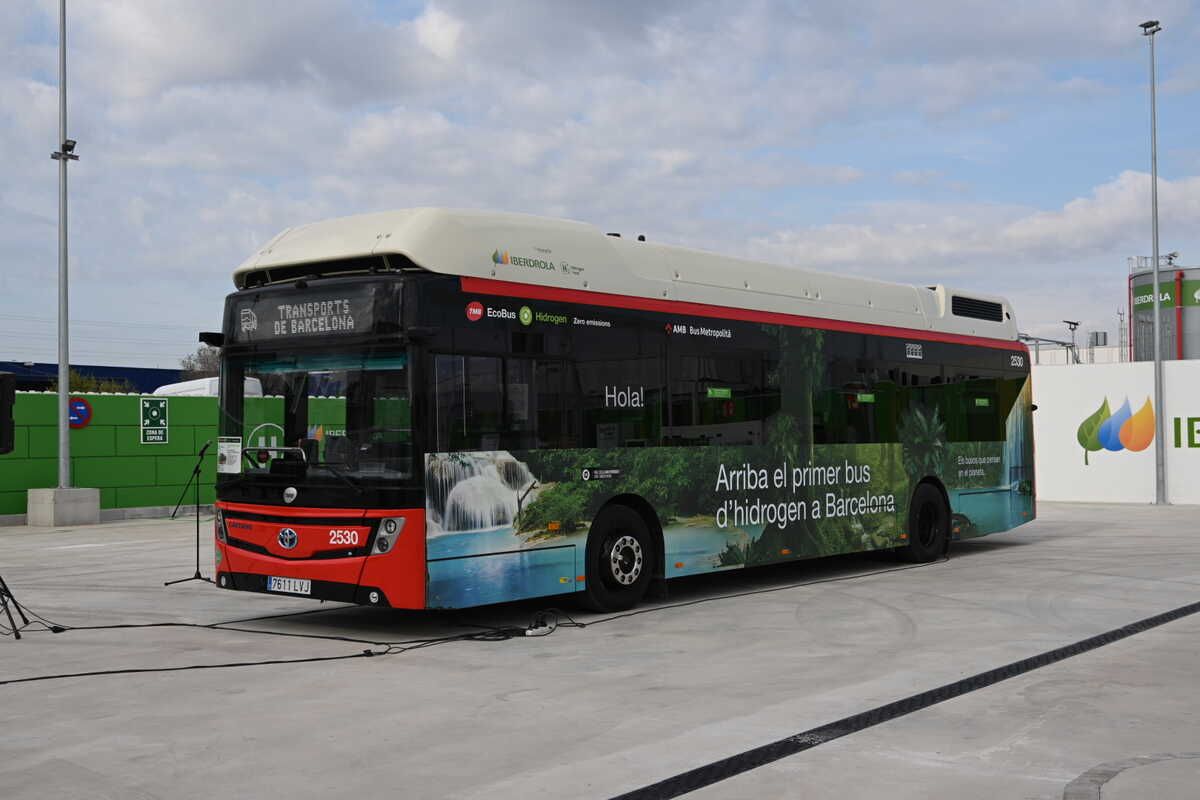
<point x="461" y="408"/>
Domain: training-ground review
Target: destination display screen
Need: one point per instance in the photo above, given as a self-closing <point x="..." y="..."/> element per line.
<point x="345" y="310"/>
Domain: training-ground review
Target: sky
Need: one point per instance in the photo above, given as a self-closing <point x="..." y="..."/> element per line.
<point x="997" y="146"/>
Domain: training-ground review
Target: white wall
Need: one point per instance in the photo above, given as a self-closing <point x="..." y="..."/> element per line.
<point x="1049" y="355"/>
<point x="1066" y="396"/>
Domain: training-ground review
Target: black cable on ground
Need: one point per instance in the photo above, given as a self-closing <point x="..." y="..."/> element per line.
<point x="543" y="623"/>
<point x="188" y="667"/>
<point x="378" y="649"/>
<point x="46" y="625"/>
<point x="261" y="618"/>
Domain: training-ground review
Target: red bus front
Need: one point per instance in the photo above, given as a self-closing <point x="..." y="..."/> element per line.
<point x="361" y="555"/>
<point x="317" y="494"/>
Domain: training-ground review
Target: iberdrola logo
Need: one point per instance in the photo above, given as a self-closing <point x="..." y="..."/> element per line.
<point x="500" y="257"/>
<point x="1123" y="430"/>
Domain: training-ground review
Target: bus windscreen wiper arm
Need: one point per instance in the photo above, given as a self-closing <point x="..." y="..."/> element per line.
<point x="346" y="479"/>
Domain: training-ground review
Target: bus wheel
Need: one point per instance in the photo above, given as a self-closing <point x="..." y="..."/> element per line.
<point x="928" y="525"/>
<point x="620" y="560"/>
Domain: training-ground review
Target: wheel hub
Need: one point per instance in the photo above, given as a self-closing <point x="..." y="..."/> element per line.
<point x="626" y="560"/>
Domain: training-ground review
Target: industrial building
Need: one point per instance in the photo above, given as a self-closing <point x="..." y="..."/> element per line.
<point x="1179" y="309"/>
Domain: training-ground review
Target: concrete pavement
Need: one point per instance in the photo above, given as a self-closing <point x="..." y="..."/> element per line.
<point x="602" y="710"/>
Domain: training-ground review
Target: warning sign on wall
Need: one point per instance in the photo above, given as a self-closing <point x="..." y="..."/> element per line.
<point x="154" y="420"/>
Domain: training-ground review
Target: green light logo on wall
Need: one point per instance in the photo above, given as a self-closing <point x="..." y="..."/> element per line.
<point x="1123" y="430"/>
<point x="154" y="420"/>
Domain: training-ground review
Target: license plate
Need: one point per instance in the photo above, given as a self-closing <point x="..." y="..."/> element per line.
<point x="289" y="585"/>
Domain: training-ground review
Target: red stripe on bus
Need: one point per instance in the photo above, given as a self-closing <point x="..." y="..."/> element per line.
<point x="527" y="291"/>
<point x="291" y="511"/>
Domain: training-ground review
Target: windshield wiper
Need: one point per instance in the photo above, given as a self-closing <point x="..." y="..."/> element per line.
<point x="346" y="479"/>
<point x="230" y="483"/>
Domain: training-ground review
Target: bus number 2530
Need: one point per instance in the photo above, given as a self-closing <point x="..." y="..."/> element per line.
<point x="343" y="537"/>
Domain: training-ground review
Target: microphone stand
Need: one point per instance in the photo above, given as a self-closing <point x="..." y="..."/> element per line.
<point x="6" y="597"/>
<point x="193" y="481"/>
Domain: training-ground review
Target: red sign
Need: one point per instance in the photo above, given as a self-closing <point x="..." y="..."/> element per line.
<point x="79" y="412"/>
<point x="474" y="311"/>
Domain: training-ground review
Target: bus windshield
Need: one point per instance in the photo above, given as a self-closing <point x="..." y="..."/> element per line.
<point x="343" y="416"/>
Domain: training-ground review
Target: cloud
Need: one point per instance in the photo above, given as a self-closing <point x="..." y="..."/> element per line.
<point x="1086" y="88"/>
<point x="950" y="30"/>
<point x="333" y="48"/>
<point x="917" y="177"/>
<point x="761" y="128"/>
<point x="438" y="32"/>
<point x="1115" y="216"/>
<point x="1054" y="264"/>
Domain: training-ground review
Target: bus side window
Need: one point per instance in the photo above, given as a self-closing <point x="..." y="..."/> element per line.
<point x="920" y="389"/>
<point x="860" y="398"/>
<point x="520" y="398"/>
<point x="469" y="412"/>
<point x="485" y="409"/>
<point x="487" y="403"/>
<point x="984" y="402"/>
<point x="450" y="402"/>
<point x="721" y="399"/>
<point x="551" y="428"/>
<point x="620" y="401"/>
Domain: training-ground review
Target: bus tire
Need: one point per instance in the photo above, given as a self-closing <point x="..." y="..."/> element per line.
<point x="928" y="525"/>
<point x="620" y="560"/>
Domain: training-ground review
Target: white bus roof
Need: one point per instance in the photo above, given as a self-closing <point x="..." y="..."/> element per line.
<point x="574" y="255"/>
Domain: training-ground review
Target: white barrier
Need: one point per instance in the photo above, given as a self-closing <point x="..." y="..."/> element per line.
<point x="1091" y="446"/>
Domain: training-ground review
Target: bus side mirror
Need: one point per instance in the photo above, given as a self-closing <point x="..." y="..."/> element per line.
<point x="1033" y="406"/>
<point x="8" y="396"/>
<point x="212" y="338"/>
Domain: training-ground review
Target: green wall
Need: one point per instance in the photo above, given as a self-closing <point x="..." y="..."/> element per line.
<point x="108" y="454"/>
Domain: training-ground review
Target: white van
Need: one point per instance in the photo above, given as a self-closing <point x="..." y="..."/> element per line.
<point x="205" y="387"/>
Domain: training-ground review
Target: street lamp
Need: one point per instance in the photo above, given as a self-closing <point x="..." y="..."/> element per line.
<point x="1072" y="325"/>
<point x="1149" y="28"/>
<point x="64" y="155"/>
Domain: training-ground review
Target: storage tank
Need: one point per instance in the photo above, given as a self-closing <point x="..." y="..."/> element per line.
<point x="1179" y="309"/>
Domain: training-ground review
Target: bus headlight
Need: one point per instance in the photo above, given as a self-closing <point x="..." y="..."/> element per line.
<point x="389" y="531"/>
<point x="219" y="525"/>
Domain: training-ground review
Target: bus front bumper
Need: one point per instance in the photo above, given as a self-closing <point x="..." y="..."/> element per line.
<point x="393" y="579"/>
<point x="334" y="591"/>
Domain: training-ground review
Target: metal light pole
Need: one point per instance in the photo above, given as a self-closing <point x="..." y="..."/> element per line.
<point x="1149" y="28"/>
<point x="64" y="154"/>
<point x="1072" y="325"/>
